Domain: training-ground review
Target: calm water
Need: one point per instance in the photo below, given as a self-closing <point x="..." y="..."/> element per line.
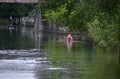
<point x="25" y="54"/>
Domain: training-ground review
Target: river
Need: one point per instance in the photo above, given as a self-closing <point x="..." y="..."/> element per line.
<point x="25" y="54"/>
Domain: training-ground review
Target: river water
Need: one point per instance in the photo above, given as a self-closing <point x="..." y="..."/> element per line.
<point x="25" y="54"/>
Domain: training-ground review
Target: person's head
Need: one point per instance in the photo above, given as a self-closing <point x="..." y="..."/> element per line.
<point x="69" y="34"/>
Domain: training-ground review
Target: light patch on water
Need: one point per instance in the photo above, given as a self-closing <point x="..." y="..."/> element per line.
<point x="17" y="65"/>
<point x="17" y="75"/>
<point x="17" y="61"/>
<point x="22" y="64"/>
<point x="56" y="68"/>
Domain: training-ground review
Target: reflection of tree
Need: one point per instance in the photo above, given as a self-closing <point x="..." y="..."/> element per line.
<point x="15" y="40"/>
<point x="104" y="67"/>
<point x="34" y="35"/>
<point x="74" y="60"/>
<point x="119" y="54"/>
<point x="84" y="62"/>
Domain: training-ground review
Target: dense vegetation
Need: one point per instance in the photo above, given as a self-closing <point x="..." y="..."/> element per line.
<point x="14" y="10"/>
<point x="99" y="18"/>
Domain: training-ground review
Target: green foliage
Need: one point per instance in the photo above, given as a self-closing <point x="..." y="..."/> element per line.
<point x="15" y="10"/>
<point x="100" y="18"/>
<point x="109" y="6"/>
<point x="104" y="30"/>
<point x="57" y="14"/>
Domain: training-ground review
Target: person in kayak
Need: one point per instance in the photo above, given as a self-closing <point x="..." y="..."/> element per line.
<point x="69" y="40"/>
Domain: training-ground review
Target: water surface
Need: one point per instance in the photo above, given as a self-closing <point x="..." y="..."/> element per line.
<point x="25" y="54"/>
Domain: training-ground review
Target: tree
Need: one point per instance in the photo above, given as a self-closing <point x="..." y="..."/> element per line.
<point x="98" y="18"/>
<point x="15" y="10"/>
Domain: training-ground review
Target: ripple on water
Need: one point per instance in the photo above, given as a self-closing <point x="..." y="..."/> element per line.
<point x="21" y="64"/>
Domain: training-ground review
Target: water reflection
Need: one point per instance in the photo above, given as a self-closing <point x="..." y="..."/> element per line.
<point x="83" y="61"/>
<point x="20" y="53"/>
<point x="69" y="40"/>
<point x="31" y="33"/>
<point x="22" y="56"/>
